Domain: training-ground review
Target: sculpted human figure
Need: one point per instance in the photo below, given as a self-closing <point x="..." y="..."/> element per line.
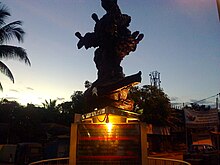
<point x="112" y="40"/>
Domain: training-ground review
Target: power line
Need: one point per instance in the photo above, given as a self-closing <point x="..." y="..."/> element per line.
<point x="207" y="98"/>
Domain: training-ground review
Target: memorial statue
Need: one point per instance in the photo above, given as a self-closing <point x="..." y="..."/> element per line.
<point x="113" y="41"/>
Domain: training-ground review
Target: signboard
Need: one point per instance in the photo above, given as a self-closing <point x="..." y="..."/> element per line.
<point x="201" y="119"/>
<point x="110" y="110"/>
<point x="103" y="144"/>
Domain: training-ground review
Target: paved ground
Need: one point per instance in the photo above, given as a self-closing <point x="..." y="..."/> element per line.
<point x="179" y="154"/>
<point x="168" y="155"/>
<point x="176" y="155"/>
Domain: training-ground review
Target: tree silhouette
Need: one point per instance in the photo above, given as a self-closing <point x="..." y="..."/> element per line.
<point x="87" y="84"/>
<point x="8" y="32"/>
<point x="50" y="105"/>
<point x="153" y="103"/>
<point x="78" y="102"/>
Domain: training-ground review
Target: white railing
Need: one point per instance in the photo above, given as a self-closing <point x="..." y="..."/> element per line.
<point x="55" y="161"/>
<point x="164" y="161"/>
<point x="150" y="161"/>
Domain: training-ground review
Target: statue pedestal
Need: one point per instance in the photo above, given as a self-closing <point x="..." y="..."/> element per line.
<point x="109" y="115"/>
<point x="108" y="136"/>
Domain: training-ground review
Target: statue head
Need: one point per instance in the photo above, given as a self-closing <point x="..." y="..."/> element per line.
<point x="108" y="4"/>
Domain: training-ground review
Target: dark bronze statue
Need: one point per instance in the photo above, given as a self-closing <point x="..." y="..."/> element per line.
<point x="113" y="41"/>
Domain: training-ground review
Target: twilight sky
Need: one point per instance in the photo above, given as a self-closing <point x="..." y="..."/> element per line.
<point x="181" y="42"/>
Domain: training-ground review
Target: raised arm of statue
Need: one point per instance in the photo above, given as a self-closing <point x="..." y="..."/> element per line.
<point x="88" y="41"/>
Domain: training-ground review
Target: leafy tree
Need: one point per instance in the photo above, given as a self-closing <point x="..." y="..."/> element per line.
<point x="27" y="123"/>
<point x="66" y="114"/>
<point x="78" y="102"/>
<point x="20" y="122"/>
<point x="198" y="107"/>
<point x="65" y="107"/>
<point x="153" y="103"/>
<point x="87" y="84"/>
<point x="7" y="33"/>
<point x="8" y="109"/>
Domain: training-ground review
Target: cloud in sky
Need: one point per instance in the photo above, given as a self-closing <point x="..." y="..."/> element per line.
<point x="14" y="90"/>
<point x="29" y="88"/>
<point x="11" y="98"/>
<point x="174" y="99"/>
<point x="60" y="98"/>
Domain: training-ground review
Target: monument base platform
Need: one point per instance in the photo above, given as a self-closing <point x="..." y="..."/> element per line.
<point x="108" y="136"/>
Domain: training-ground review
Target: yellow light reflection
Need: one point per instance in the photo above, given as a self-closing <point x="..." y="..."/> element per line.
<point x="109" y="126"/>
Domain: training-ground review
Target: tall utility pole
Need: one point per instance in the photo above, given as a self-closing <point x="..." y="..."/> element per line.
<point x="155" y="79"/>
<point x="218" y="6"/>
<point x="217" y="101"/>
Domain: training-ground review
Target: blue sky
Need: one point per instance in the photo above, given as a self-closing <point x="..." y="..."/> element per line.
<point x="181" y="42"/>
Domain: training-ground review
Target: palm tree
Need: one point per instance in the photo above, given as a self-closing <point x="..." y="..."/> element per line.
<point x="50" y="105"/>
<point x="8" y="32"/>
